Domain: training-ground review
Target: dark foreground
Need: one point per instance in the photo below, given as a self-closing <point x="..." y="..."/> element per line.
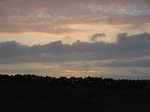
<point x="39" y="94"/>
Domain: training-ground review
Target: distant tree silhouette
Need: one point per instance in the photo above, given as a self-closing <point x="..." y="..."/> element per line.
<point x="35" y="93"/>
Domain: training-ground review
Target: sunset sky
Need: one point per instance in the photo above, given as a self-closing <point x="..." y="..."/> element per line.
<point x="75" y="37"/>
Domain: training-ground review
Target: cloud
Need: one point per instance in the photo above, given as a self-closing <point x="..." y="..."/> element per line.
<point x="39" y="14"/>
<point x="126" y="48"/>
<point x="97" y="37"/>
<point x="135" y="63"/>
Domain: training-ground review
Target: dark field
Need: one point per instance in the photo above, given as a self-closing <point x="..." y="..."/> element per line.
<point x="44" y="94"/>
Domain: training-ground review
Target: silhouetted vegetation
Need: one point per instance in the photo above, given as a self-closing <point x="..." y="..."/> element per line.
<point x="44" y="94"/>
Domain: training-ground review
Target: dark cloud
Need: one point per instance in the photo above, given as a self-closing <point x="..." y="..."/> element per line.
<point x="97" y="37"/>
<point x="126" y="47"/>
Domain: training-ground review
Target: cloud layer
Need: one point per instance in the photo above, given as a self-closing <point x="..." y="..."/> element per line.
<point x="41" y="16"/>
<point x="127" y="51"/>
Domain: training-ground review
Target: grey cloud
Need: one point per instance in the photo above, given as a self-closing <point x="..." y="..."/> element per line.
<point x="137" y="63"/>
<point x="97" y="37"/>
<point x="127" y="47"/>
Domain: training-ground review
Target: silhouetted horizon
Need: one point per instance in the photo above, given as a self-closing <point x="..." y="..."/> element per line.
<point x="36" y="93"/>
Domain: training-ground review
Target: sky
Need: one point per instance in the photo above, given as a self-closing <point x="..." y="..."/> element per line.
<point x="75" y="37"/>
